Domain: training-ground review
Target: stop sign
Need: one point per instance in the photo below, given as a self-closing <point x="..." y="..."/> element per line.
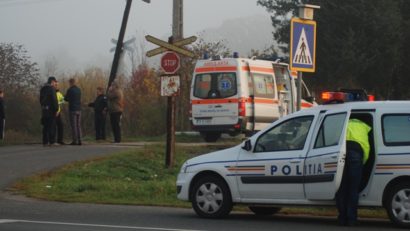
<point x="170" y="62"/>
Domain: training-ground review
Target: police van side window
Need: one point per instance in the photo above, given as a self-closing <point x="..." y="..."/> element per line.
<point x="289" y="135"/>
<point x="330" y="130"/>
<point x="396" y="129"/>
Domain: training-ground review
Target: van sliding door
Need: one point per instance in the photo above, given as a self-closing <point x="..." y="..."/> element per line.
<point x="265" y="100"/>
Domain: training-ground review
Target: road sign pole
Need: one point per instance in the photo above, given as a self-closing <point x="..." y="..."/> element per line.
<point x="171" y="108"/>
<point x="177" y="34"/>
<point x="299" y="89"/>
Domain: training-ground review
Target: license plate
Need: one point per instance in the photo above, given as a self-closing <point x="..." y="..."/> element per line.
<point x="203" y="121"/>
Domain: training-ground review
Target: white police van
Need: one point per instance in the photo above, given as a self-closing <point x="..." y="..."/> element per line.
<point x="299" y="160"/>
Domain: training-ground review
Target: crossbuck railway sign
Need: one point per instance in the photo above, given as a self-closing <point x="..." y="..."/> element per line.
<point x="176" y="46"/>
<point x="303" y="45"/>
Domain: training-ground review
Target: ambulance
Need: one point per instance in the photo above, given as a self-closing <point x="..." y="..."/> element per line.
<point x="299" y="160"/>
<point x="238" y="95"/>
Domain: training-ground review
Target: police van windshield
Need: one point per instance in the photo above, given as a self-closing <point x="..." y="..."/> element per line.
<point x="215" y="85"/>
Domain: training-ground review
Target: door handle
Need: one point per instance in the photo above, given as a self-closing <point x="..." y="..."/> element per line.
<point x="218" y="106"/>
<point x="334" y="157"/>
<point x="295" y="161"/>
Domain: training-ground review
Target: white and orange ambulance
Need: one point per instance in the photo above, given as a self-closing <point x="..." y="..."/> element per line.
<point x="238" y="95"/>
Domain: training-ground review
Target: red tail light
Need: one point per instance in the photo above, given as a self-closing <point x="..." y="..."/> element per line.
<point x="370" y="97"/>
<point x="190" y="109"/>
<point x="242" y="108"/>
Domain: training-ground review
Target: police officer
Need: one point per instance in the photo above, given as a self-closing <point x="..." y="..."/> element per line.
<point x="100" y="113"/>
<point x="49" y="108"/>
<point x="358" y="149"/>
<point x="59" y="120"/>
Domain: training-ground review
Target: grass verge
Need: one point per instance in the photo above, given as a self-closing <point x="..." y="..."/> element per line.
<point x="134" y="177"/>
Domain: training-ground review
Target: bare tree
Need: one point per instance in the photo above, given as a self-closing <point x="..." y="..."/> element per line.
<point x="17" y="71"/>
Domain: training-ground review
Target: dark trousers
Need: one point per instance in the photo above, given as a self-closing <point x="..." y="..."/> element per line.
<point x="347" y="197"/>
<point x="49" y="129"/>
<point x="115" y="119"/>
<point x="60" y="129"/>
<point x="2" y="128"/>
<point x="99" y="120"/>
<point x="75" y="122"/>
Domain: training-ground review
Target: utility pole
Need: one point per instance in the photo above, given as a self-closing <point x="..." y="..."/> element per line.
<point x="119" y="47"/>
<point x="177" y="34"/>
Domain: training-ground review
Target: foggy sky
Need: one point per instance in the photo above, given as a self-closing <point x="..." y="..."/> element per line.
<point x="79" y="32"/>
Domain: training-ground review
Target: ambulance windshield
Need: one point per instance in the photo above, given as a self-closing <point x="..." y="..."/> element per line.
<point x="215" y="85"/>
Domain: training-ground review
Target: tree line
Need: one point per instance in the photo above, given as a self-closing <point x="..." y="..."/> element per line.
<point x="360" y="44"/>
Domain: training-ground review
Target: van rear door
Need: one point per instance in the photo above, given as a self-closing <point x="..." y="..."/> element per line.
<point x="262" y="89"/>
<point x="215" y="98"/>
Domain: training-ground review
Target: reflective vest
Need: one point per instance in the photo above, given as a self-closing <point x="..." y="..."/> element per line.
<point x="358" y="131"/>
<point x="60" y="100"/>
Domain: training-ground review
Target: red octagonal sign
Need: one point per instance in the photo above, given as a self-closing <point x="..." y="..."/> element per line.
<point x="170" y="62"/>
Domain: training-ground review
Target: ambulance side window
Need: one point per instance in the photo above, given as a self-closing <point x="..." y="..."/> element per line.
<point x="289" y="135"/>
<point x="264" y="85"/>
<point x="330" y="130"/>
<point x="396" y="129"/>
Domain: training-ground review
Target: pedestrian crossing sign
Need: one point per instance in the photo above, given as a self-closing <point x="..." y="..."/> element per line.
<point x="302" y="45"/>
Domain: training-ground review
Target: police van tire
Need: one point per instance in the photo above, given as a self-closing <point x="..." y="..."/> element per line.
<point x="264" y="211"/>
<point x="211" y="197"/>
<point x="211" y="137"/>
<point x="398" y="204"/>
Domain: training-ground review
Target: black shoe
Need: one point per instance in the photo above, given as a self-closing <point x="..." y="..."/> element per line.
<point x="73" y="143"/>
<point x="79" y="143"/>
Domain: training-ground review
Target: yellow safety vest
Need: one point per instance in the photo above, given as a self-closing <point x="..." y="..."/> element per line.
<point x="358" y="131"/>
<point x="60" y="100"/>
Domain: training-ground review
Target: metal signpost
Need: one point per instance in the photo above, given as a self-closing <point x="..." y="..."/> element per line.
<point x="303" y="45"/>
<point x="170" y="82"/>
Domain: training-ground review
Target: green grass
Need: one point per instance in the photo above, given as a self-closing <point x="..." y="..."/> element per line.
<point x="134" y="177"/>
<point x="131" y="177"/>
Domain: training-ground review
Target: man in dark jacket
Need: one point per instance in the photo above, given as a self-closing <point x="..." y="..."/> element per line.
<point x="73" y="97"/>
<point x="49" y="108"/>
<point x="100" y="113"/>
<point x="2" y="116"/>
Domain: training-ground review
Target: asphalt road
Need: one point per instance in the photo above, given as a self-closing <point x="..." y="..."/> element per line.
<point x="18" y="213"/>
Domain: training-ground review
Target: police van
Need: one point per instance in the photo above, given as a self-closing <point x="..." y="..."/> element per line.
<point x="299" y="160"/>
<point x="237" y="95"/>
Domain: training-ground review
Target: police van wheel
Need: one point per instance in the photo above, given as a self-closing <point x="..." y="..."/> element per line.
<point x="264" y="211"/>
<point x="211" y="197"/>
<point x="211" y="137"/>
<point x="398" y="204"/>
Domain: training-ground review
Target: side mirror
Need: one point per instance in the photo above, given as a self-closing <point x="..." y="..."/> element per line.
<point x="310" y="99"/>
<point x="247" y="145"/>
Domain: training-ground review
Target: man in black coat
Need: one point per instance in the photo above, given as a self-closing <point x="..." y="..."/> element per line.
<point x="49" y="108"/>
<point x="100" y="113"/>
<point x="73" y="97"/>
<point x="2" y="115"/>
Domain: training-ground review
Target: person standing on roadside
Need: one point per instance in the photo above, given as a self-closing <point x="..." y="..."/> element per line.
<point x="59" y="120"/>
<point x="115" y="105"/>
<point x="100" y="113"/>
<point x="49" y="108"/>
<point x="2" y="116"/>
<point x="73" y="97"/>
